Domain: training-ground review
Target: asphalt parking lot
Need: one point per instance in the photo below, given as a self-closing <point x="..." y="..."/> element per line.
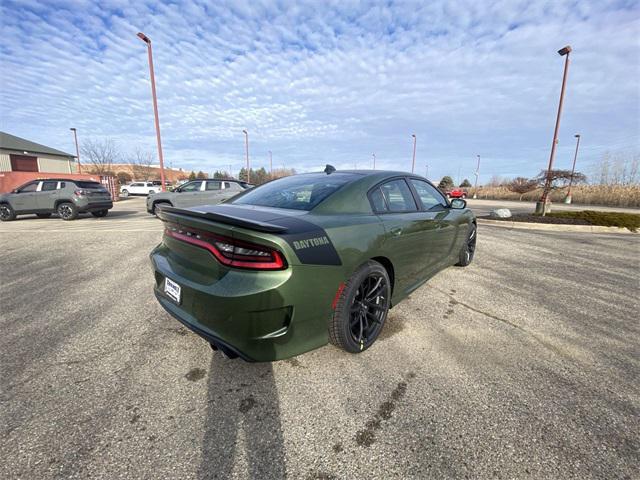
<point x="523" y="365"/>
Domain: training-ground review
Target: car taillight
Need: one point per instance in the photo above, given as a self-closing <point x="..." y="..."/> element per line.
<point x="80" y="192"/>
<point x="229" y="251"/>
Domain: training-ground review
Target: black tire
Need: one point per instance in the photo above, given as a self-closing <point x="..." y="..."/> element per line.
<point x="6" y="212"/>
<point x="468" y="250"/>
<point x="67" y="211"/>
<point x="100" y="213"/>
<point x="360" y="315"/>
<point x="43" y="215"/>
<point x="124" y="193"/>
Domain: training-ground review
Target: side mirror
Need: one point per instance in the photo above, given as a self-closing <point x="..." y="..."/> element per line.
<point x="458" y="203"/>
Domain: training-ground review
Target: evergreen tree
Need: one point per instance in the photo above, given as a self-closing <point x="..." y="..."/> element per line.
<point x="446" y="183"/>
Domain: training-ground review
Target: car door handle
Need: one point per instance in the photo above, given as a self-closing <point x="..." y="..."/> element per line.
<point x="396" y="231"/>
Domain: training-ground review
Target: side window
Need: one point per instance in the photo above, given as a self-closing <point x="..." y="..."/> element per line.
<point x="191" y="187"/>
<point x="213" y="186"/>
<point x="227" y="185"/>
<point x="377" y="201"/>
<point x="429" y="196"/>
<point x="48" y="186"/>
<point x="398" y="196"/>
<point x="63" y="184"/>
<point x="136" y="185"/>
<point x="29" y="187"/>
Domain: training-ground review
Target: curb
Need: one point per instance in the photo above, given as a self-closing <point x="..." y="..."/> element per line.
<point x="554" y="227"/>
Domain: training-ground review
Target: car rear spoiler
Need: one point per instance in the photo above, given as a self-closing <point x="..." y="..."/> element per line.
<point x="222" y="218"/>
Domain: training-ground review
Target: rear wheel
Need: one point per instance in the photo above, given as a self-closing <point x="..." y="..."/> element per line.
<point x="124" y="193"/>
<point x="67" y="211"/>
<point x="6" y="213"/>
<point x="361" y="309"/>
<point x="100" y="213"/>
<point x="43" y="215"/>
<point x="469" y="248"/>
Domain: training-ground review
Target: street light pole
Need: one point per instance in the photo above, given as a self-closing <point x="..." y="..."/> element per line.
<point x="374" y="161"/>
<point x="568" y="198"/>
<point x="246" y="145"/>
<point x="413" y="162"/>
<point x="270" y="164"/>
<point x="542" y="206"/>
<point x="147" y="40"/>
<point x="475" y="189"/>
<point x="75" y="137"/>
<point x="426" y="166"/>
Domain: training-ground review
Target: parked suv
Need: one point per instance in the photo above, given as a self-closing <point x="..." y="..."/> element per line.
<point x="66" y="197"/>
<point x="456" y="193"/>
<point x="197" y="192"/>
<point x="139" y="188"/>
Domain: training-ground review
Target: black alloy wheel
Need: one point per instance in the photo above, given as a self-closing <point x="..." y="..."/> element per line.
<point x="361" y="309"/>
<point x="469" y="248"/>
<point x="368" y="310"/>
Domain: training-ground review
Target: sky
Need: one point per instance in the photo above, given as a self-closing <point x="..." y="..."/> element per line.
<point x="319" y="82"/>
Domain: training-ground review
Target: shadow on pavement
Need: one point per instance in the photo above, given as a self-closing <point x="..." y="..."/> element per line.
<point x="243" y="417"/>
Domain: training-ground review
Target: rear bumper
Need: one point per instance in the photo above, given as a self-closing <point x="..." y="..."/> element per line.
<point x="261" y="316"/>
<point x="193" y="326"/>
<point x="96" y="206"/>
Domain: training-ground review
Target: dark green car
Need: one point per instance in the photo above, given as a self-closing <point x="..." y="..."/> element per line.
<point x="295" y="263"/>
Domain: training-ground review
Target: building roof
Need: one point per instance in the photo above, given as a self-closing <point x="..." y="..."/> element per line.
<point x="11" y="142"/>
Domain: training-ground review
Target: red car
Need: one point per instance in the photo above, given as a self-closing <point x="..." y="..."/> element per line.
<point x="456" y="193"/>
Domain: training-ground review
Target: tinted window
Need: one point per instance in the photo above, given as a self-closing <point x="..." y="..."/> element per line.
<point x="398" y="196"/>
<point x="377" y="201"/>
<point x="429" y="196"/>
<point x="89" y="185"/>
<point x="227" y="185"/>
<point x="191" y="187"/>
<point x="213" y="186"/>
<point x="48" y="186"/>
<point x="298" y="192"/>
<point x="136" y="185"/>
<point x="30" y="187"/>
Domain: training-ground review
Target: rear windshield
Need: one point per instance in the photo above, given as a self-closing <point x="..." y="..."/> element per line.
<point x="298" y="192"/>
<point x="81" y="184"/>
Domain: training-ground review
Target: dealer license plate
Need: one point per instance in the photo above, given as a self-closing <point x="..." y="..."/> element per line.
<point x="172" y="289"/>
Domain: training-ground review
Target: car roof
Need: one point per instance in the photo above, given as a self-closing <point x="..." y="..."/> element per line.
<point x="61" y="180"/>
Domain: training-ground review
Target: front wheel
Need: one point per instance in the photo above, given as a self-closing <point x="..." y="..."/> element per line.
<point x="100" y="213"/>
<point x="6" y="213"/>
<point x="361" y="309"/>
<point x="469" y="248"/>
<point x="124" y="193"/>
<point x="67" y="211"/>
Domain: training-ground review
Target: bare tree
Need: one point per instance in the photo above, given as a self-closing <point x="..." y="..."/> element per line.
<point x="522" y="185"/>
<point x="142" y="164"/>
<point x="559" y="179"/>
<point x="496" y="181"/>
<point x="100" y="154"/>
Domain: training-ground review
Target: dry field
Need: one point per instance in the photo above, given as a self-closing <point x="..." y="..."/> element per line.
<point x="608" y="195"/>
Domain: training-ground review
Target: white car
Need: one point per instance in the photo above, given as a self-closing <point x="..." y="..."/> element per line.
<point x="139" y="188"/>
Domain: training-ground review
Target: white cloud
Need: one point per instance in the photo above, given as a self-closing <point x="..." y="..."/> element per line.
<point x="326" y="82"/>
